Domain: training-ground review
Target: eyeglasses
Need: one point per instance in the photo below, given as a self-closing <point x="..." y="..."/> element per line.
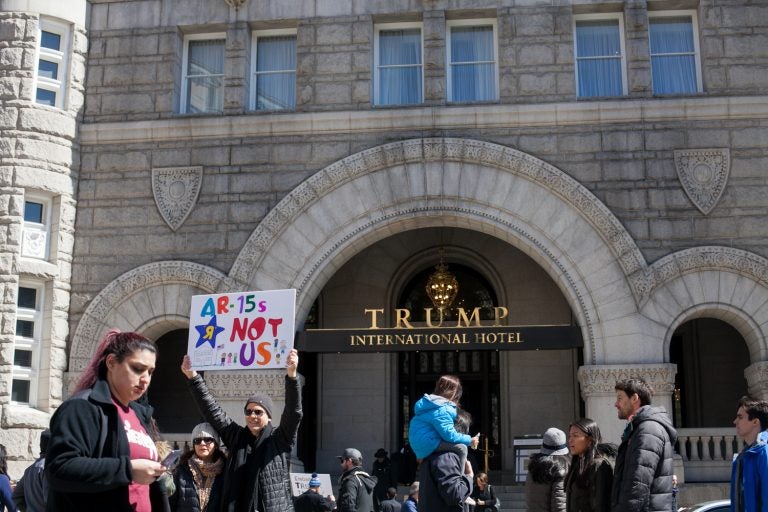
<point x="201" y="440"/>
<point x="254" y="412"/>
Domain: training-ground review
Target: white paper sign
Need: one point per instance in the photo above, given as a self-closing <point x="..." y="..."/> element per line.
<point x="241" y="330"/>
<point x="300" y="483"/>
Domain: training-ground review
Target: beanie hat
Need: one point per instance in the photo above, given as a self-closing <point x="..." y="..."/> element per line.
<point x="263" y="400"/>
<point x="553" y="442"/>
<point x="204" y="430"/>
<point x="314" y="481"/>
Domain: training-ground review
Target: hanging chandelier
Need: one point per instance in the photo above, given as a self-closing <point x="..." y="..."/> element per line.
<point x="442" y="286"/>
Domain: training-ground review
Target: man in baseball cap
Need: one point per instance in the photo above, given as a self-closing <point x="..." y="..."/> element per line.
<point x="355" y="485"/>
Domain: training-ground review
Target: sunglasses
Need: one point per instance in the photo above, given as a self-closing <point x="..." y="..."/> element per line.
<point x="254" y="412"/>
<point x="201" y="440"/>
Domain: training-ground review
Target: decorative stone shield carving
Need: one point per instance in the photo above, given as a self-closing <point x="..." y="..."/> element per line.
<point x="176" y="190"/>
<point x="704" y="174"/>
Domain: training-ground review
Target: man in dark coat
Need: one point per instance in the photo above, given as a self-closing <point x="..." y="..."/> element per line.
<point x="31" y="492"/>
<point x="312" y="501"/>
<point x="257" y="468"/>
<point x="390" y="504"/>
<point x="385" y="477"/>
<point x="355" y="485"/>
<point x="642" y="480"/>
<point x="444" y="483"/>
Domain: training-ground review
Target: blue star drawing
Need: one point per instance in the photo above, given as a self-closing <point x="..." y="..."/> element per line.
<point x="208" y="333"/>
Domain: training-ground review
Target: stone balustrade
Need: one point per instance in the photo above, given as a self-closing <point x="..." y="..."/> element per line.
<point x="707" y="453"/>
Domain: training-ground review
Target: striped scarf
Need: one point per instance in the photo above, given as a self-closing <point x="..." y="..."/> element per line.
<point x="204" y="474"/>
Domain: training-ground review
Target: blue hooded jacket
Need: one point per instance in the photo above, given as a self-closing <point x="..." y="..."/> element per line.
<point x="754" y="478"/>
<point x="432" y="423"/>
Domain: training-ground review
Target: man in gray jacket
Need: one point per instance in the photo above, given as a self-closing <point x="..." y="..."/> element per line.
<point x="642" y="480"/>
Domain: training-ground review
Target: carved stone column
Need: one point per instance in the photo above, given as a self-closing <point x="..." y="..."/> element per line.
<point x="597" y="383"/>
<point x="757" y="380"/>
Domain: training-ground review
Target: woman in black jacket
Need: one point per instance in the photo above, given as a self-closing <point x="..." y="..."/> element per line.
<point x="257" y="466"/>
<point x="199" y="474"/>
<point x="589" y="480"/>
<point x="544" y="484"/>
<point x="483" y="495"/>
<point x="102" y="453"/>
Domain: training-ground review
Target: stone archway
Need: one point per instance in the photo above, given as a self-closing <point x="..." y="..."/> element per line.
<point x="454" y="182"/>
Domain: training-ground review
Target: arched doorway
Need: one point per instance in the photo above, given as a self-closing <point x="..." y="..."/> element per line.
<point x="711" y="357"/>
<point x="175" y="411"/>
<point x="478" y="370"/>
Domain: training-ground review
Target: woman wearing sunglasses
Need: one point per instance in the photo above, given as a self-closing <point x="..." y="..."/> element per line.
<point x="198" y="477"/>
<point x="256" y="477"/>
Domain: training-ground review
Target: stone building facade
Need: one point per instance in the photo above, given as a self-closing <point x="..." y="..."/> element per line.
<point x="639" y="217"/>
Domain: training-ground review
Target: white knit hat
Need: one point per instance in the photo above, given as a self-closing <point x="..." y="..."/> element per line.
<point x="205" y="430"/>
<point x="553" y="442"/>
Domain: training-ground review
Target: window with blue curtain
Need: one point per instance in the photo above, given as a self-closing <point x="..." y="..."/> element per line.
<point x="205" y="76"/>
<point x="399" y="67"/>
<point x="673" y="55"/>
<point x="276" y="72"/>
<point x="598" y="58"/>
<point x="472" y="64"/>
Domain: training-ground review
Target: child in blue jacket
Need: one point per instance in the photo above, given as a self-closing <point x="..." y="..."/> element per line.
<point x="432" y="429"/>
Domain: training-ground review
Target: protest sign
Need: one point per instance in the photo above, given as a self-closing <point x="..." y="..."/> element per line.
<point x="241" y="330"/>
<point x="300" y="483"/>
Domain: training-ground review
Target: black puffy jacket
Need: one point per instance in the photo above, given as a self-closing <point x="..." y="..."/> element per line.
<point x="544" y="484"/>
<point x="185" y="498"/>
<point x="257" y="467"/>
<point x="642" y="480"/>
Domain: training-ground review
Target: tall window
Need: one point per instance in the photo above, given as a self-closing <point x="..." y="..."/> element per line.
<point x="274" y="63"/>
<point x="599" y="47"/>
<point x="51" y="79"/>
<point x="203" y="83"/>
<point x="37" y="226"/>
<point x="472" y="61"/>
<point x="674" y="53"/>
<point x="29" y="319"/>
<point x="398" y="70"/>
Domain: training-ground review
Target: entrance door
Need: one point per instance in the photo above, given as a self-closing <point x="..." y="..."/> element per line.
<point x="479" y="374"/>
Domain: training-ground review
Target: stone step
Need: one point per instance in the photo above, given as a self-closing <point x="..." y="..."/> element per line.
<point x="512" y="497"/>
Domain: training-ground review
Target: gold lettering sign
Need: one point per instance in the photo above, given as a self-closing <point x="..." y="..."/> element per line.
<point x="403" y="317"/>
<point x="447" y="339"/>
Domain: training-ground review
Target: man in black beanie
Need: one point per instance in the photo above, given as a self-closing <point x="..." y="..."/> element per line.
<point x="257" y="467"/>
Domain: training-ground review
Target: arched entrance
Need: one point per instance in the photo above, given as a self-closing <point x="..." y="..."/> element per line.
<point x="366" y="399"/>
<point x="169" y="394"/>
<point x="711" y="357"/>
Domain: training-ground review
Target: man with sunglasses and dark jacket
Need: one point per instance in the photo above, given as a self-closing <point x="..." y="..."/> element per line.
<point x="257" y="468"/>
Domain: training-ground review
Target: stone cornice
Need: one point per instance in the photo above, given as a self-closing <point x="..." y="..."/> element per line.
<point x="601" y="379"/>
<point x="470" y="117"/>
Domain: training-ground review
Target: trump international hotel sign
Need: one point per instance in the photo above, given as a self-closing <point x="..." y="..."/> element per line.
<point x="462" y="331"/>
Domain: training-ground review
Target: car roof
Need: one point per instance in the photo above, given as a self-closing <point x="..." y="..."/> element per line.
<point x="707" y="505"/>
